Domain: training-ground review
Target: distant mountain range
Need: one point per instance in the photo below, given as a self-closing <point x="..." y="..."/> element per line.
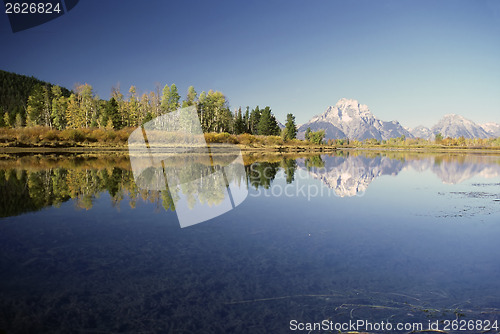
<point x="492" y="129"/>
<point x="453" y="126"/>
<point x="349" y="119"/>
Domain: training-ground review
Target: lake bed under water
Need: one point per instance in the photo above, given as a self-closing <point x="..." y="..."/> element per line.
<point x="393" y="237"/>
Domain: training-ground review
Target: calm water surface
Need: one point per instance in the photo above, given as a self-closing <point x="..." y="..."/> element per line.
<point x="395" y="237"/>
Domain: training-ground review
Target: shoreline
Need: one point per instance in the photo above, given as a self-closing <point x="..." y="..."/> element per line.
<point x="94" y="148"/>
<point x="313" y="149"/>
<point x="43" y="140"/>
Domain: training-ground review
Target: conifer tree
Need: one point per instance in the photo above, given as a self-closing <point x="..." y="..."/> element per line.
<point x="246" y="120"/>
<point x="254" y="120"/>
<point x="164" y="99"/>
<point x="145" y="110"/>
<point x="36" y="105"/>
<point x="190" y="97"/>
<point x="121" y="108"/>
<point x="133" y="108"/>
<point x="267" y="126"/>
<point x="112" y="114"/>
<point x="73" y="116"/>
<point x="170" y="99"/>
<point x="239" y="125"/>
<point x="59" y="105"/>
<point x="290" y="127"/>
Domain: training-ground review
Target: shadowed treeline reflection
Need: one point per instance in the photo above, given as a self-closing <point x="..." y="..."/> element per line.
<point x="32" y="183"/>
<point x="46" y="181"/>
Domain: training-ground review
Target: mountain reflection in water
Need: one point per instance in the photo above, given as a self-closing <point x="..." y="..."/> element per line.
<point x="351" y="175"/>
<point x="32" y="183"/>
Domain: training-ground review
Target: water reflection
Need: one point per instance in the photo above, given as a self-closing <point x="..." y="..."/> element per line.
<point x="350" y="174"/>
<point x="32" y="183"/>
<point x="125" y="268"/>
<point x="201" y="185"/>
<point x="170" y="153"/>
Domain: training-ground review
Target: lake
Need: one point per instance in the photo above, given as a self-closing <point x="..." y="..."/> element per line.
<point x="393" y="237"/>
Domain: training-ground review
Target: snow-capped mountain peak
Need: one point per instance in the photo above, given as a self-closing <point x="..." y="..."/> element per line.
<point x="350" y="119"/>
<point x="493" y="129"/>
<point x="454" y="126"/>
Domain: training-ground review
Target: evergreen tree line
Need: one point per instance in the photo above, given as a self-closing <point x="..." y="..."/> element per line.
<point x="14" y="92"/>
<point x="56" y="107"/>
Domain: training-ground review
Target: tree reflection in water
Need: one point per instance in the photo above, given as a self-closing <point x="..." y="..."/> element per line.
<point x="32" y="183"/>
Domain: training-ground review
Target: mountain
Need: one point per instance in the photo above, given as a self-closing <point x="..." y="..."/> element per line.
<point x="421" y="132"/>
<point x="349" y="119"/>
<point x="493" y="129"/>
<point x="455" y="126"/>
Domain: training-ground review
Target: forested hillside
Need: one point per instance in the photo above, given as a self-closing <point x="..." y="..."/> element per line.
<point x="15" y="90"/>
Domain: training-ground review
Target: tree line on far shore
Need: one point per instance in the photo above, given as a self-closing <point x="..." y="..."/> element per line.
<point x="57" y="108"/>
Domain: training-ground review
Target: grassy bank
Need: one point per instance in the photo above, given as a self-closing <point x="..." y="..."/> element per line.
<point x="45" y="139"/>
<point x="35" y="137"/>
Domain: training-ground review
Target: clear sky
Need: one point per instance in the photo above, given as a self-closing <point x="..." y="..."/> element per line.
<point x="411" y="61"/>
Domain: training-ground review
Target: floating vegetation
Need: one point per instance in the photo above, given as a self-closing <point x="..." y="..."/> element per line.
<point x="475" y="194"/>
<point x="485" y="184"/>
<point x="478" y="203"/>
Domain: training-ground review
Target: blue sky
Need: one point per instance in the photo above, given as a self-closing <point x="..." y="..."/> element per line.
<point x="411" y="61"/>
